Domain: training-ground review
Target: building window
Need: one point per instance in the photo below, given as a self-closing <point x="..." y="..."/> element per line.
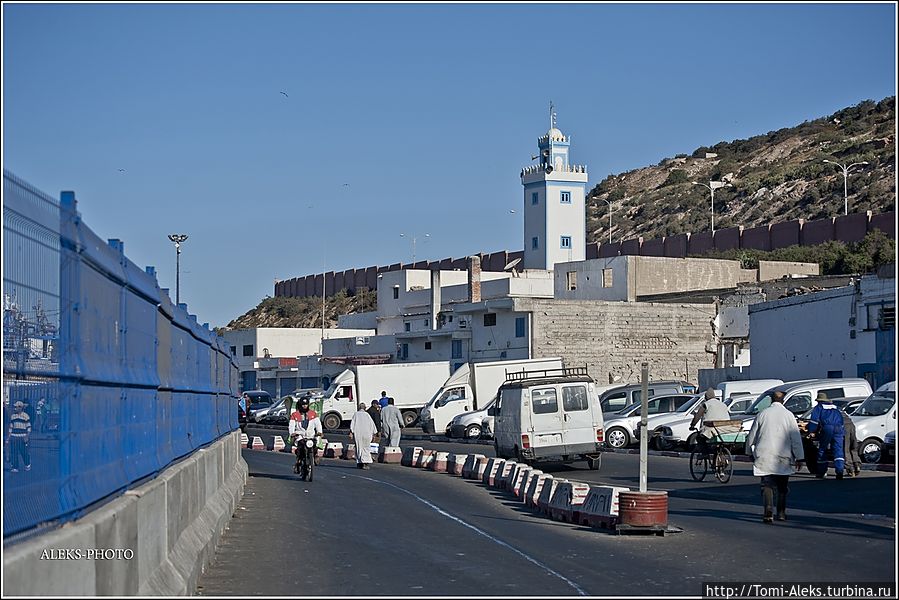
<point x="565" y="242"/>
<point x="404" y="352"/>
<point x="606" y="278"/>
<point x="535" y="198"/>
<point x="248" y="350"/>
<point x="427" y="345"/>
<point x="489" y="319"/>
<point x="457" y="349"/>
<point x="572" y="281"/>
<point x="233" y="350"/>
<point x="396" y="292"/>
<point x="519" y="327"/>
<point x="535" y="243"/>
<point x="450" y="318"/>
<point x="566" y="197"/>
<point x="426" y="322"/>
<point x="408" y="326"/>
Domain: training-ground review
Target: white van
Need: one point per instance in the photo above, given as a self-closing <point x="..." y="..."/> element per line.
<point x="873" y="419"/>
<point x="551" y="415"/>
<point x="746" y="386"/>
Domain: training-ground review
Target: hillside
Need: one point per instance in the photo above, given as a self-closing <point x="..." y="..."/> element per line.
<point x="304" y="312"/>
<point x="777" y="176"/>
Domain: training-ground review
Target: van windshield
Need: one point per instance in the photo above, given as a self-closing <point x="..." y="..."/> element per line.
<point x="874" y="406"/>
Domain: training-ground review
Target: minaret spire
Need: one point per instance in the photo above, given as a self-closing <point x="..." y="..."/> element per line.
<point x="552" y="115"/>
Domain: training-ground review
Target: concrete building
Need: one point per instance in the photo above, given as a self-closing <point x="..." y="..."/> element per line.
<point x="555" y="225"/>
<point x="842" y="332"/>
<point x="267" y="356"/>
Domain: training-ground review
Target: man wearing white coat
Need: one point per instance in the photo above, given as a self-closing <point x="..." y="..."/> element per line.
<point x="391" y="424"/>
<point x="363" y="429"/>
<point x="776" y="447"/>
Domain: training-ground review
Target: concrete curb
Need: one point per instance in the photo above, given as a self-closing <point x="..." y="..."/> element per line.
<point x="172" y="525"/>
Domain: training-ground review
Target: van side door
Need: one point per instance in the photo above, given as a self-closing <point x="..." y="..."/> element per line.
<point x="578" y="425"/>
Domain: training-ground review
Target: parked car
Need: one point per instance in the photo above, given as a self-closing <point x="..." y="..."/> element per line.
<point x="888" y="450"/>
<point x="671" y="430"/>
<point x="873" y="419"/>
<point x="472" y="424"/>
<point x="617" y="398"/>
<point x="256" y="400"/>
<point x="257" y="414"/>
<point x="621" y="427"/>
<point x="746" y="386"/>
<point x="740" y="403"/>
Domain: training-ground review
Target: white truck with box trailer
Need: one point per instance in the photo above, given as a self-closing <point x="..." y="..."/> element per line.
<point x="472" y="386"/>
<point x="409" y="384"/>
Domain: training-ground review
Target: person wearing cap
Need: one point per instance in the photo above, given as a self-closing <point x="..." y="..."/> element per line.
<point x="711" y="409"/>
<point x="363" y="431"/>
<point x="826" y="425"/>
<point x="775" y="444"/>
<point x="18" y="436"/>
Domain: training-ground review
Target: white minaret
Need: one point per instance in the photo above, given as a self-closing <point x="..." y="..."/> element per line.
<point x="555" y="223"/>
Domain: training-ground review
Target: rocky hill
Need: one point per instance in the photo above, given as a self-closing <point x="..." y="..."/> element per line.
<point x="304" y="312"/>
<point x="775" y="177"/>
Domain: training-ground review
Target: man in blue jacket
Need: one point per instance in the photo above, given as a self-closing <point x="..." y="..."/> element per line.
<point x="826" y="423"/>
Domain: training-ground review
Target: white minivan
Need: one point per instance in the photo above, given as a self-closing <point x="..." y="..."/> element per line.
<point x="873" y="419"/>
<point x="746" y="386"/>
<point x="549" y="416"/>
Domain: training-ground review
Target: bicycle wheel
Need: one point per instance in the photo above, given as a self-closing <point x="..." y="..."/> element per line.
<point x="724" y="465"/>
<point x="699" y="465"/>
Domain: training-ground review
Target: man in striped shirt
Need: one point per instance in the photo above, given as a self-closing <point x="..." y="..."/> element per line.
<point x="19" y="432"/>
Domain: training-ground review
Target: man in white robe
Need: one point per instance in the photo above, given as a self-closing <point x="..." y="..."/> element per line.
<point x="776" y="447"/>
<point x="391" y="424"/>
<point x="363" y="429"/>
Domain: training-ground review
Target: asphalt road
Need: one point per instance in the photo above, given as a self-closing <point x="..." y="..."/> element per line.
<point x="399" y="531"/>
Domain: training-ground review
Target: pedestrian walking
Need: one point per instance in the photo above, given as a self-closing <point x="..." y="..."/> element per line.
<point x="826" y="425"/>
<point x="18" y="437"/>
<point x="776" y="448"/>
<point x="363" y="430"/>
<point x="384" y="399"/>
<point x="850" y="447"/>
<point x="392" y="424"/>
<point x="375" y="413"/>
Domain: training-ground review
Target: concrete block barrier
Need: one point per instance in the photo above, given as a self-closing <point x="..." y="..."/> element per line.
<point x="410" y="456"/>
<point x="547" y="492"/>
<point x="534" y="488"/>
<point x="458" y="463"/>
<point x="600" y="508"/>
<point x="425" y="458"/>
<point x="258" y="443"/>
<point x="169" y="526"/>
<point x="278" y="444"/>
<point x="474" y="466"/>
<point x="509" y="479"/>
<point x="532" y="476"/>
<point x="438" y="465"/>
<point x="390" y="455"/>
<point x="566" y="500"/>
<point x="502" y="473"/>
<point x="493" y="465"/>
<point x="349" y="452"/>
<point x="521" y="476"/>
<point x="334" y="450"/>
<point x="244" y="440"/>
<point x="480" y="467"/>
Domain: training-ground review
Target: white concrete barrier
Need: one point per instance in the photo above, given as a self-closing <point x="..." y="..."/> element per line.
<point x="258" y="443"/>
<point x="493" y="465"/>
<point x="500" y="480"/>
<point x="567" y="500"/>
<point x="546" y="493"/>
<point x="534" y="488"/>
<point x="278" y="444"/>
<point x="244" y="441"/>
<point x="349" y="452"/>
<point x="521" y="475"/>
<point x="600" y="508"/>
<point x="458" y="464"/>
<point x="438" y="465"/>
<point x="410" y="456"/>
<point x="425" y="458"/>
<point x="390" y="455"/>
<point x="334" y="450"/>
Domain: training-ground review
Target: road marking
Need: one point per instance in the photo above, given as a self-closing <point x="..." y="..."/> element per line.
<point x="439" y="510"/>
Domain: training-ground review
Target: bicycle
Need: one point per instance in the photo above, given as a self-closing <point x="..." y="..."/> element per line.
<point x="717" y="457"/>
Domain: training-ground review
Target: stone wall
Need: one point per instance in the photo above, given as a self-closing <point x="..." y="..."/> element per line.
<point x="613" y="338"/>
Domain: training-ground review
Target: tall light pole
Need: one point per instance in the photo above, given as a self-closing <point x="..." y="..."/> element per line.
<point x="845" y="169"/>
<point x="609" y="202"/>
<point x="712" y="186"/>
<point x="413" y="237"/>
<point x="177" y="239"/>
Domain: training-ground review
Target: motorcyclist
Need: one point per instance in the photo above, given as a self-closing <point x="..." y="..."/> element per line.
<point x="304" y="424"/>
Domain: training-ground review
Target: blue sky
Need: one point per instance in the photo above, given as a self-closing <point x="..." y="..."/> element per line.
<point x="427" y="111"/>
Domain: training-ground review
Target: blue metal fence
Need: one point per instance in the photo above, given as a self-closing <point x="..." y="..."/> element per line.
<point x="117" y="382"/>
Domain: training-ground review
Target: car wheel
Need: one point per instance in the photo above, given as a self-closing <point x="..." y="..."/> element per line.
<point x="870" y="450"/>
<point x="409" y="417"/>
<point x="473" y="431"/>
<point x="331" y="422"/>
<point x="617" y="437"/>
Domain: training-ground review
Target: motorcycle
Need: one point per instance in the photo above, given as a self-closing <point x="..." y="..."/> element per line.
<point x="306" y="457"/>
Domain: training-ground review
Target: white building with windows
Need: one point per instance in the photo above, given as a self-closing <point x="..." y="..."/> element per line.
<point x="555" y="226"/>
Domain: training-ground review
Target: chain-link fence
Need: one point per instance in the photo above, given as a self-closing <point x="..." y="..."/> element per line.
<point x="105" y="381"/>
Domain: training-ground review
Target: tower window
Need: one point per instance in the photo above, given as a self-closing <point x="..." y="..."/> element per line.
<point x="566" y="197"/>
<point x="535" y="243"/>
<point x="519" y="327"/>
<point x="566" y="241"/>
<point x="535" y="197"/>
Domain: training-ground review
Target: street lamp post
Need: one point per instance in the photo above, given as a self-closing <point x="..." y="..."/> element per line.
<point x="845" y="169"/>
<point x="177" y="239"/>
<point x="413" y="237"/>
<point x="712" y="186"/>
